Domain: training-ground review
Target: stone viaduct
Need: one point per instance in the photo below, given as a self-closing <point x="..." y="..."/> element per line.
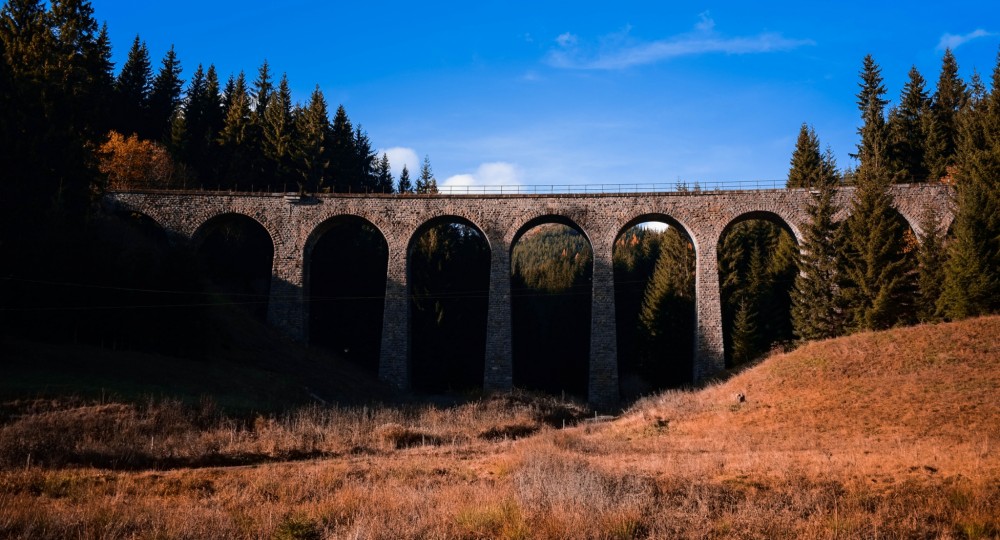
<point x="295" y="224"/>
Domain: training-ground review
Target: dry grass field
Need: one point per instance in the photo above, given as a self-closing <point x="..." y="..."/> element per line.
<point x="884" y="435"/>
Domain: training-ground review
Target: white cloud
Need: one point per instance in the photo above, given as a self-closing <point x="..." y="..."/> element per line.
<point x="399" y="156"/>
<point x="488" y="177"/>
<point x="566" y="40"/>
<point x="952" y="41"/>
<point x="621" y="53"/>
<point x="705" y="23"/>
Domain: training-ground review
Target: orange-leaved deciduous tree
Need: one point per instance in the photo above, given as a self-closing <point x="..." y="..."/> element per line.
<point x="134" y="163"/>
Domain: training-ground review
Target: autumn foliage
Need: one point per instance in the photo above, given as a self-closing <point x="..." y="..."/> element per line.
<point x="134" y="163"/>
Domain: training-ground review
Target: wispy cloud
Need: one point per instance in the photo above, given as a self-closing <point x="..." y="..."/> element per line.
<point x="953" y="41"/>
<point x="618" y="51"/>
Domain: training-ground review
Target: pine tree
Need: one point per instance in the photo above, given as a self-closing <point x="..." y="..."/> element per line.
<point x="383" y="174"/>
<point x="907" y="131"/>
<point x="873" y="149"/>
<point x="277" y="134"/>
<point x="165" y="97"/>
<point x="262" y="90"/>
<point x="405" y="185"/>
<point x="84" y="60"/>
<point x="931" y="256"/>
<point x="364" y="163"/>
<point x="816" y="313"/>
<point x="877" y="270"/>
<point x="972" y="272"/>
<point x="426" y="183"/>
<point x="311" y="150"/>
<point x="666" y="317"/>
<point x="234" y="139"/>
<point x="343" y="154"/>
<point x="807" y="163"/>
<point x="132" y="90"/>
<point x="949" y="99"/>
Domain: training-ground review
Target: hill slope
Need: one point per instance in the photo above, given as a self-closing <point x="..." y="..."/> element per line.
<point x="881" y="435"/>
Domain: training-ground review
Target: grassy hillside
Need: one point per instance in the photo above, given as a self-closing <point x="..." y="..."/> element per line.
<point x="884" y="435"/>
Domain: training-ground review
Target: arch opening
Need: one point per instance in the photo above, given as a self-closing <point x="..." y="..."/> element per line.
<point x="345" y="277"/>
<point x="449" y="276"/>
<point x="654" y="265"/>
<point x="551" y="290"/>
<point x="757" y="256"/>
<point x="236" y="254"/>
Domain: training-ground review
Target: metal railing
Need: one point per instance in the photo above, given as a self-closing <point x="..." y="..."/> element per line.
<point x="637" y="187"/>
<point x="682" y="187"/>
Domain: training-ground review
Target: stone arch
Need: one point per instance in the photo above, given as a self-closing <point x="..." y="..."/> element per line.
<point x="552" y="329"/>
<point x="754" y="318"/>
<point x="544" y="219"/>
<point x="647" y="361"/>
<point x="344" y="272"/>
<point x="448" y="302"/>
<point x="205" y="225"/>
<point x="765" y="215"/>
<point x="237" y="252"/>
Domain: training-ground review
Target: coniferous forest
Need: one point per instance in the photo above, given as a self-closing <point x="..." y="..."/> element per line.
<point x="73" y="125"/>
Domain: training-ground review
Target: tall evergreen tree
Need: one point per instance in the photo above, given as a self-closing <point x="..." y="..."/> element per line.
<point x="311" y="150"/>
<point x="343" y="154"/>
<point x="405" y="185"/>
<point x="666" y="315"/>
<point x="931" y="256"/>
<point x="234" y="139"/>
<point x="263" y="87"/>
<point x="365" y="159"/>
<point x="873" y="149"/>
<point x="277" y="134"/>
<point x="949" y="98"/>
<point x="816" y="311"/>
<point x="132" y="90"/>
<point x="383" y="175"/>
<point x="877" y="267"/>
<point x="426" y="183"/>
<point x="807" y="163"/>
<point x="83" y="54"/>
<point x="165" y="97"/>
<point x="907" y="134"/>
<point x="972" y="272"/>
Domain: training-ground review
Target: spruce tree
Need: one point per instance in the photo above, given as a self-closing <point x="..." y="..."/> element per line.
<point x="165" y="97"/>
<point x="426" y="183"/>
<point x="816" y="311"/>
<point x="972" y="272"/>
<point x="262" y="90"/>
<point x="876" y="265"/>
<point x="311" y="150"/>
<point x="365" y="159"/>
<point x="234" y="142"/>
<point x="931" y="256"/>
<point x="343" y="154"/>
<point x="405" y="185"/>
<point x="383" y="174"/>
<point x="908" y="138"/>
<point x="807" y="163"/>
<point x="949" y="98"/>
<point x="132" y="90"/>
<point x="666" y="315"/>
<point x="277" y="134"/>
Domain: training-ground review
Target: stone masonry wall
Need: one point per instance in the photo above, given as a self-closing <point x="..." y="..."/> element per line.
<point x="295" y="225"/>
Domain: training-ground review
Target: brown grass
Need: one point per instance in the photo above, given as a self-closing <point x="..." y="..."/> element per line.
<point x="887" y="435"/>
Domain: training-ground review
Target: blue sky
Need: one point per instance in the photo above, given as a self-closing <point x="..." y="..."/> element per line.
<point x="576" y="92"/>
